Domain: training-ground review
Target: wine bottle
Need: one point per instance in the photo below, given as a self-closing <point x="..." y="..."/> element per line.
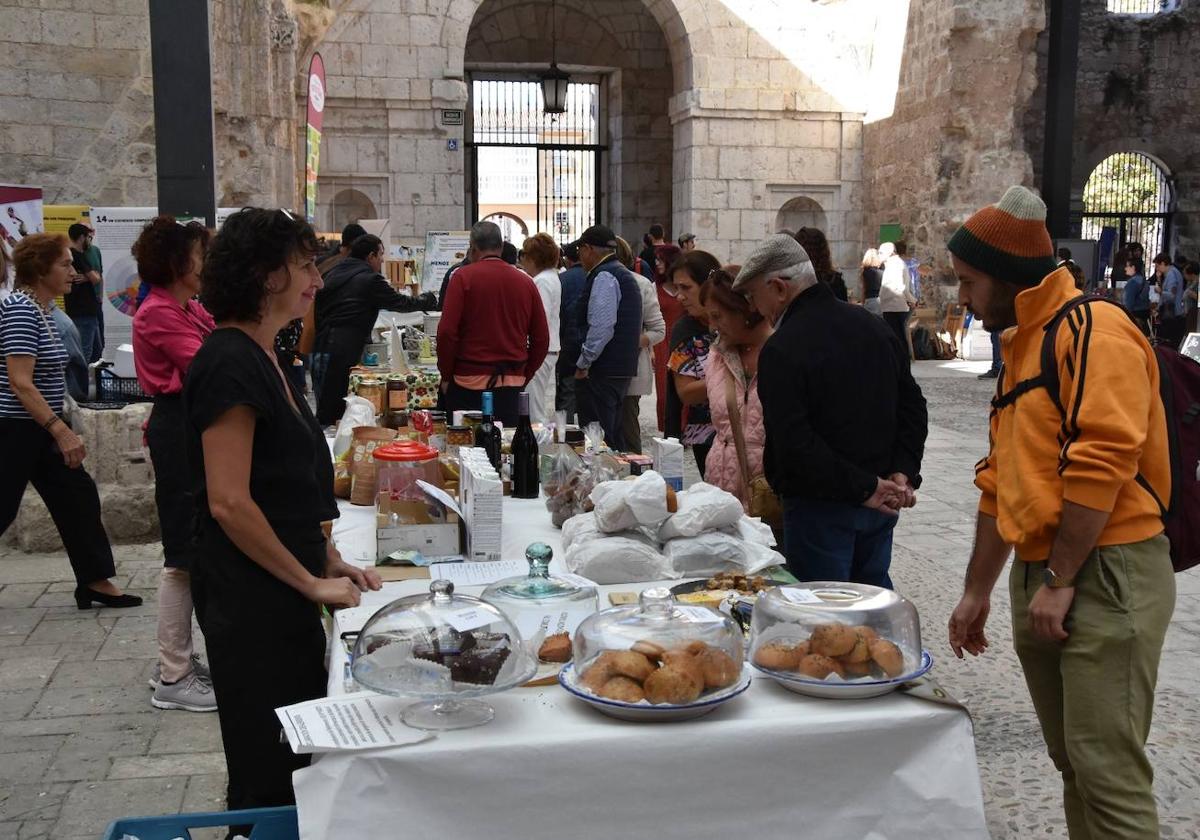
<point x="524" y="454"/>
<point x="487" y="436"/>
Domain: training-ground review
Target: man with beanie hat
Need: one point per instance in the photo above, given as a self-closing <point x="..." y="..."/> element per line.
<point x="845" y="421"/>
<point x="1072" y="482"/>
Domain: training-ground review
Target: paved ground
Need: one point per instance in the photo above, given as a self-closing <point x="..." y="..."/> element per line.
<point x="81" y="745"/>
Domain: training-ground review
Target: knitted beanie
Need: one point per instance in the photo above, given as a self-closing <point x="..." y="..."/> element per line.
<point x="1008" y="240"/>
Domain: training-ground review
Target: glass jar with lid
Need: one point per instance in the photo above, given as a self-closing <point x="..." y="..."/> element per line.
<point x="547" y="608"/>
<point x="638" y="662"/>
<point x="441" y="649"/>
<point x="837" y="639"/>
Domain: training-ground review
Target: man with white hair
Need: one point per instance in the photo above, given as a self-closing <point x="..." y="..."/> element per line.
<point x="845" y="421"/>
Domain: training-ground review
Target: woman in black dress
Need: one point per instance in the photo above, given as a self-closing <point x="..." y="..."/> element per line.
<point x="264" y="486"/>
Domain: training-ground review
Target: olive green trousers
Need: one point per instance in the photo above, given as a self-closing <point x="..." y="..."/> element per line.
<point x="1094" y="692"/>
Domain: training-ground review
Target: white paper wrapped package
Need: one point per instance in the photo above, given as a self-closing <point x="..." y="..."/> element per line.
<point x="359" y="412"/>
<point x="702" y="507"/>
<point x="582" y="528"/>
<point x="618" y="558"/>
<point x="621" y="505"/>
<point x="718" y="551"/>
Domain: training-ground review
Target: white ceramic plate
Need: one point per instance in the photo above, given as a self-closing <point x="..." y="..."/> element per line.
<point x="643" y="712"/>
<point x="845" y="690"/>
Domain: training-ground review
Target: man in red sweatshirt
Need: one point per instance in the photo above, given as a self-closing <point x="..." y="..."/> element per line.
<point x="493" y="334"/>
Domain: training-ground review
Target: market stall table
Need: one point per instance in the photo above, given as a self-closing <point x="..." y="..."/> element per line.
<point x="769" y="762"/>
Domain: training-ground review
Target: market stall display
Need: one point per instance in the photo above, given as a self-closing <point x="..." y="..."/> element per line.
<point x="838" y="640"/>
<point x="441" y="649"/>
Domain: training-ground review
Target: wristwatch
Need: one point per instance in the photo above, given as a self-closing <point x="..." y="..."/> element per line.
<point x="1056" y="581"/>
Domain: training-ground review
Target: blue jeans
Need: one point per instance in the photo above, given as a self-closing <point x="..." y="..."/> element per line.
<point x="90" y="339"/>
<point x="837" y="541"/>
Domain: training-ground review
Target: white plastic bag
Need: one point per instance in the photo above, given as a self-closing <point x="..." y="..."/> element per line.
<point x="752" y="529"/>
<point x="718" y="551"/>
<point x="582" y="528"/>
<point x="618" y="558"/>
<point x="620" y="505"/>
<point x="702" y="507"/>
<point x="359" y="412"/>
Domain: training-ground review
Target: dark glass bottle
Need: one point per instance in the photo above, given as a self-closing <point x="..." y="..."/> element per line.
<point x="524" y="454"/>
<point x="487" y="435"/>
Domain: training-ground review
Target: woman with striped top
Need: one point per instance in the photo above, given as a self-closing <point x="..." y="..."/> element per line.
<point x="36" y="444"/>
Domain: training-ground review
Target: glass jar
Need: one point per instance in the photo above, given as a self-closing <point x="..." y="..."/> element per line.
<point x="440" y="648"/>
<point x="835" y="631"/>
<point x="658" y="651"/>
<point x="398" y="466"/>
<point x="546" y="608"/>
<point x="371" y="389"/>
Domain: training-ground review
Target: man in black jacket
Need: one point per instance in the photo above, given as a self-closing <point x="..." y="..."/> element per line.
<point x="845" y="421"/>
<point x="346" y="308"/>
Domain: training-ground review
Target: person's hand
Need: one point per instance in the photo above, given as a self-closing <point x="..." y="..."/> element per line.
<point x="581" y="373"/>
<point x="364" y="579"/>
<point x="427" y="301"/>
<point x="966" y="625"/>
<point x="334" y="592"/>
<point x="445" y="386"/>
<point x="910" y="495"/>
<point x="1048" y="612"/>
<point x="887" y="498"/>
<point x="69" y="444"/>
<point x="644" y="342"/>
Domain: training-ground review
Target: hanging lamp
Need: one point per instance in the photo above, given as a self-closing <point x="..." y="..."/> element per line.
<point x="554" y="81"/>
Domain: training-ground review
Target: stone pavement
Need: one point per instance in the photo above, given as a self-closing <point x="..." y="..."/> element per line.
<point x="81" y="745"/>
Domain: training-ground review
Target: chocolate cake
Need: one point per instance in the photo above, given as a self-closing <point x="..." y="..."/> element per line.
<point x="471" y="658"/>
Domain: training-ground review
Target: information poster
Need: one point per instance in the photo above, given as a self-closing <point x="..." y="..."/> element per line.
<point x="58" y="218"/>
<point x="117" y="228"/>
<point x="312" y="156"/>
<point x="443" y="248"/>
<point x="20" y="215"/>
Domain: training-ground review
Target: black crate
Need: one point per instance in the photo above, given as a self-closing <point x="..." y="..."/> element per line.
<point x="113" y="388"/>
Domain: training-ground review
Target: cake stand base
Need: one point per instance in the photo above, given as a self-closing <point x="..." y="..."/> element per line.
<point x="447" y="714"/>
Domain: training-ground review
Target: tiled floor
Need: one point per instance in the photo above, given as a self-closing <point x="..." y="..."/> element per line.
<point x="81" y="745"/>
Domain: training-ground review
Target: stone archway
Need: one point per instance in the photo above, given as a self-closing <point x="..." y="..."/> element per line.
<point x="799" y="212"/>
<point x="627" y="51"/>
<point x="350" y="205"/>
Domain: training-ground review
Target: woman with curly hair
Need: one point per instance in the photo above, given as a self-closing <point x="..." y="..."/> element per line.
<point x="814" y="243"/>
<point x="168" y="329"/>
<point x="264" y="491"/>
<point x="36" y="445"/>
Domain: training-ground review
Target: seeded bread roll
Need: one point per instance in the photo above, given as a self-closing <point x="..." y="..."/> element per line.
<point x="832" y="639"/>
<point x="779" y="657"/>
<point x="819" y="667"/>
<point x="718" y="668"/>
<point x="673" y="685"/>
<point x="888" y="657"/>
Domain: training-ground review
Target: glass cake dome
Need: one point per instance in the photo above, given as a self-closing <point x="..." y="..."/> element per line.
<point x="843" y="639"/>
<point x="442" y="649"/>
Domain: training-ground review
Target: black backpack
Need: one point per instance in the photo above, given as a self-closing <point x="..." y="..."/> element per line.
<point x="1179" y="387"/>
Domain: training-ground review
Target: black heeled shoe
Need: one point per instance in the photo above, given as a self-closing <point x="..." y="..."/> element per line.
<point x="84" y="596"/>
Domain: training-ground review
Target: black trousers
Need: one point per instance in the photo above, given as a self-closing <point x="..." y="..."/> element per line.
<point x="564" y="395"/>
<point x="898" y="321"/>
<point x="166" y="433"/>
<point x="599" y="399"/>
<point x="260" y="661"/>
<point x="344" y="350"/>
<point x="504" y="402"/>
<point x="29" y="455"/>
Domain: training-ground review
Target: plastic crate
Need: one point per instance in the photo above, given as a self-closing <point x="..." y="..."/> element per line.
<point x="113" y="388"/>
<point x="268" y="824"/>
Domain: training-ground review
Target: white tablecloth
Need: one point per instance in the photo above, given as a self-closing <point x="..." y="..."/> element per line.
<point x="768" y="764"/>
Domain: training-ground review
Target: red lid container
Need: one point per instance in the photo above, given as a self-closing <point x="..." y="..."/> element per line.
<point x="405" y="450"/>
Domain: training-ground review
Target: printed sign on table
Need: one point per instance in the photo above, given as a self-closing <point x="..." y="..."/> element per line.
<point x="443" y="248"/>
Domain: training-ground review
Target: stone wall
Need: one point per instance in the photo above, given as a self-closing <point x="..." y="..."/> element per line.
<point x="1135" y="91"/>
<point x="957" y="137"/>
<point x="76" y="95"/>
<point x="121" y="469"/>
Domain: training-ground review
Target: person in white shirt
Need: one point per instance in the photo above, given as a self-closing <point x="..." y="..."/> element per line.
<point x="654" y="330"/>
<point x="896" y="299"/>
<point x="540" y="257"/>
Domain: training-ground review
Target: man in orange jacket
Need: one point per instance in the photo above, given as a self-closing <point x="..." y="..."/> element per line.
<point x="1073" y="482"/>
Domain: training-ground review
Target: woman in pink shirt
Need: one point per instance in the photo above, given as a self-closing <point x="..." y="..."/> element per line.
<point x="168" y="329"/>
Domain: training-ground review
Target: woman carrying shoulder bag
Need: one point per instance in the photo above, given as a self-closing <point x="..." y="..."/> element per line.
<point x="735" y="462"/>
<point x="36" y="445"/>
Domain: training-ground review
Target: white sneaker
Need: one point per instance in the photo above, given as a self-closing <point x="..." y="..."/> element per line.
<point x="197" y="666"/>
<point x="193" y="693"/>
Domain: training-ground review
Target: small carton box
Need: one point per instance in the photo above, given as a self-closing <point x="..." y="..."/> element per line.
<point x="668" y="461"/>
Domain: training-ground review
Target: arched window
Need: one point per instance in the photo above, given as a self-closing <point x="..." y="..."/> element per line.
<point x="1131" y="193"/>
<point x="351" y="205"/>
<point x="513" y="228"/>
<point x="1141" y="7"/>
<point x="800" y="212"/>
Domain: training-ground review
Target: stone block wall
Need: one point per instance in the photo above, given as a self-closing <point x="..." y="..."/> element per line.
<point x="121" y="468"/>
<point x="76" y="95"/>
<point x="956" y="140"/>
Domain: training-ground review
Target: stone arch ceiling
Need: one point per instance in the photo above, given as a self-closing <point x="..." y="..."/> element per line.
<point x="676" y="18"/>
<point x="514" y="31"/>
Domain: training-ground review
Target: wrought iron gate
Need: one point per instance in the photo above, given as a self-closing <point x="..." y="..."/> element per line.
<point x="528" y="164"/>
<point x="1130" y="192"/>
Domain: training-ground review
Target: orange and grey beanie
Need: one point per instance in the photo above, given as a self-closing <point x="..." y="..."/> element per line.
<point x="1008" y="240"/>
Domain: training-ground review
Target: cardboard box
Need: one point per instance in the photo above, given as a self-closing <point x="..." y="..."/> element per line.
<point x="427" y="528"/>
<point x="668" y="461"/>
